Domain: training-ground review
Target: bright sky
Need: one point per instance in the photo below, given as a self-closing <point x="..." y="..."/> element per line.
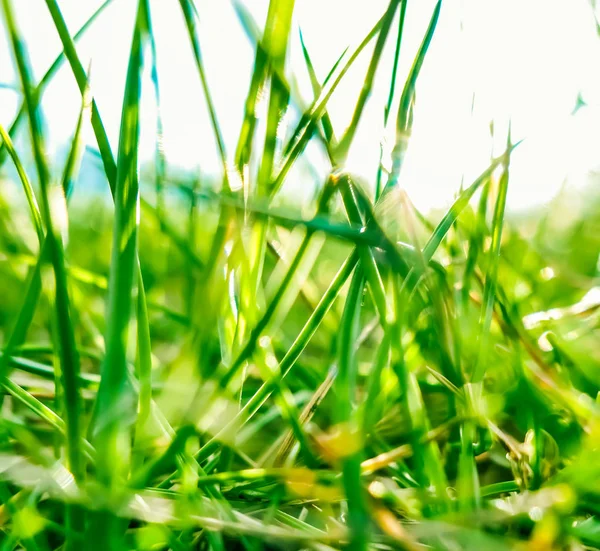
<point x="521" y="60"/>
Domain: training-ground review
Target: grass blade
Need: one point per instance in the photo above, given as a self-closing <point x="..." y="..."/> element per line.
<point x="492" y="275"/>
<point x="114" y="411"/>
<point x="29" y="193"/>
<point x="51" y="72"/>
<point x="345" y="385"/>
<point x="341" y="151"/>
<point x="69" y="358"/>
<point x="388" y="105"/>
<point x="404" y="122"/>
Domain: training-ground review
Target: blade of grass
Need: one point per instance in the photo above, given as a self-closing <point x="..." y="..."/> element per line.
<point x="345" y="385"/>
<point x="264" y="320"/>
<point x="492" y="275"/>
<point x="144" y="361"/>
<point x="160" y="161"/>
<point x="29" y="193"/>
<point x="110" y="167"/>
<point x="469" y="487"/>
<point x="288" y="361"/>
<point x="82" y="81"/>
<point x="189" y="16"/>
<point x="114" y="409"/>
<point x="46" y="372"/>
<point x="316" y="86"/>
<point x="69" y="358"/>
<point x="476" y="240"/>
<point x="451" y="216"/>
<point x="275" y="42"/>
<point x="302" y="135"/>
<point x="404" y="122"/>
<point x="276" y="37"/>
<point x="246" y="137"/>
<point x="34" y="283"/>
<point x="388" y="105"/>
<point x="343" y="147"/>
<point x="50" y="73"/>
<point x="68" y="351"/>
<point x="114" y="403"/>
<point x="305" y="417"/>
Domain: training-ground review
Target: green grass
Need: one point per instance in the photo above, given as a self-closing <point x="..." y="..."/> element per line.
<point x="198" y="366"/>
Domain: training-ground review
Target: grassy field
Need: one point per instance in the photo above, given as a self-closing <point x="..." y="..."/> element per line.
<point x="200" y="364"/>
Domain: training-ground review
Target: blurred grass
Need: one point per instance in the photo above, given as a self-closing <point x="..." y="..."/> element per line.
<point x="200" y="366"/>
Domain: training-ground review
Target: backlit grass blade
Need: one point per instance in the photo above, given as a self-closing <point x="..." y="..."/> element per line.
<point x="388" y="105"/>
<point x="345" y="141"/>
<point x="160" y="161"/>
<point x="115" y="410"/>
<point x="110" y="167"/>
<point x="276" y="37"/>
<point x="275" y="43"/>
<point x="476" y="240"/>
<point x="144" y="361"/>
<point x="316" y="86"/>
<point x="190" y="21"/>
<point x="52" y="70"/>
<point x="98" y="127"/>
<point x="469" y="479"/>
<point x="34" y="285"/>
<point x="29" y="193"/>
<point x="451" y="216"/>
<point x="82" y="82"/>
<point x="303" y="135"/>
<point x="345" y="386"/>
<point x="305" y="417"/>
<point x="250" y="345"/>
<point x="245" y="142"/>
<point x="52" y="204"/>
<point x="73" y="161"/>
<point x="403" y="122"/>
<point x="69" y="359"/>
<point x="492" y="274"/>
<point x="290" y="358"/>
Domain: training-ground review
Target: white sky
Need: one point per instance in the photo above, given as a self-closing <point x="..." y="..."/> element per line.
<point x="525" y="60"/>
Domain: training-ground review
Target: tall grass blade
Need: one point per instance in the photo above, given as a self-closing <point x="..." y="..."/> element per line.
<point x="343" y="147"/>
<point x="114" y="409"/>
<point x="393" y="78"/>
<point x="50" y="73"/>
<point x="69" y="358"/>
<point x="404" y="121"/>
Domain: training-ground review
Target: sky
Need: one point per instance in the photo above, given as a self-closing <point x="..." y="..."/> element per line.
<point x="491" y="61"/>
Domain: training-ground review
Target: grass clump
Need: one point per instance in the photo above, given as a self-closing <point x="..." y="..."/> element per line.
<point x="200" y="366"/>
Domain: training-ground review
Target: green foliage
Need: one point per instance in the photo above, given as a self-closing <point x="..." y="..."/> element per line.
<point x="193" y="367"/>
